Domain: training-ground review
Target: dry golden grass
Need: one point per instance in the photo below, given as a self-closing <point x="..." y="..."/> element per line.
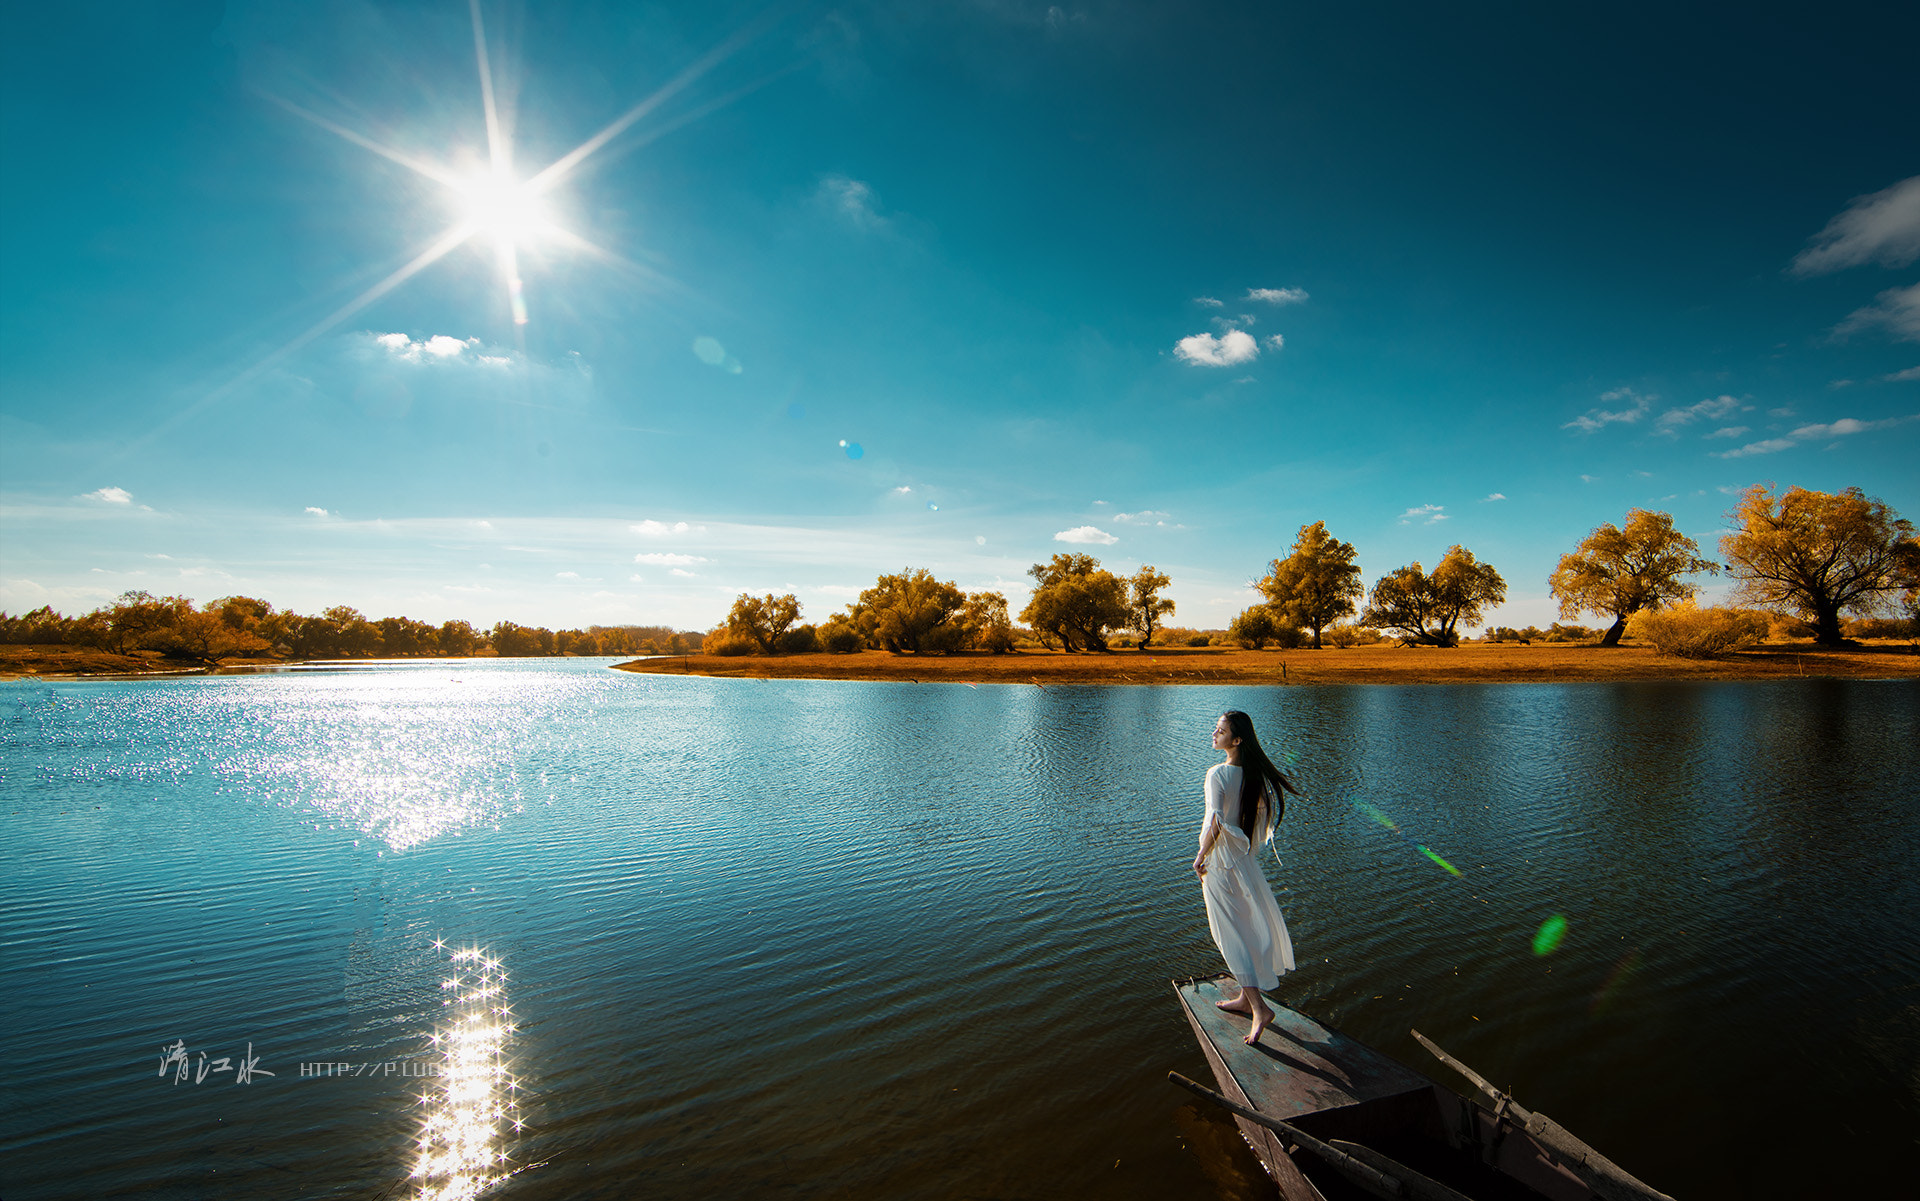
<point x="1474" y="663"/>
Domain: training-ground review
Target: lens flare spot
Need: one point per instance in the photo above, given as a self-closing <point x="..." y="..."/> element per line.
<point x="1451" y="870"/>
<point x="932" y="508"/>
<point x="853" y="449"/>
<point x="709" y="351"/>
<point x="1379" y="818"/>
<point x="1546" y="940"/>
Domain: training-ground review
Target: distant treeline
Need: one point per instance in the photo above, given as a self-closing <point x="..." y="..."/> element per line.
<point x="1812" y="556"/>
<point x="237" y="627"/>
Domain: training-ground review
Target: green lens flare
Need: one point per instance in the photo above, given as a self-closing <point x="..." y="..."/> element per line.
<point x="1551" y="931"/>
<point x="1428" y="852"/>
<point x="1376" y="815"/>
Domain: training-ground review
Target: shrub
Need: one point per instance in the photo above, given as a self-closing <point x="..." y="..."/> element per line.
<point x="1198" y="640"/>
<point x="1785" y="627"/>
<point x="1691" y="632"/>
<point x="723" y="641"/>
<point x="840" y="638"/>
<point x="1570" y="633"/>
<point x="800" y="640"/>
<point x="1351" y="636"/>
<point x="1882" y="627"/>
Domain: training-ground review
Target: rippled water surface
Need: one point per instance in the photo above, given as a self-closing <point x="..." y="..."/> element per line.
<point x="621" y="936"/>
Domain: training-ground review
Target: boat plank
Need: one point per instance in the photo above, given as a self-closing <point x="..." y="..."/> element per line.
<point x="1299" y="1066"/>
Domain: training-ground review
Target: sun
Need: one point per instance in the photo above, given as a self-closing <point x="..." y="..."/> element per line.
<point x="505" y="210"/>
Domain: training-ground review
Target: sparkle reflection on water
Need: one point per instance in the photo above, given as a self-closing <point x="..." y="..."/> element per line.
<point x="875" y="940"/>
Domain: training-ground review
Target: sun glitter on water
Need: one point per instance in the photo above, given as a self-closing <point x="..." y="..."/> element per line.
<point x="464" y="1124"/>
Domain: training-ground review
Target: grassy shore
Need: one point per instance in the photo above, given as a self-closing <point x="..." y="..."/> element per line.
<point x="58" y="661"/>
<point x="1474" y="663"/>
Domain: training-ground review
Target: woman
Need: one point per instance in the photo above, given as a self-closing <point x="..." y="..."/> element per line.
<point x="1246" y="795"/>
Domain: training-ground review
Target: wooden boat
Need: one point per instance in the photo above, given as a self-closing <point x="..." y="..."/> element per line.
<point x="1331" y="1118"/>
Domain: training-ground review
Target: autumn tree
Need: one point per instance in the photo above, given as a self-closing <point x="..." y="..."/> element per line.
<point x="1909" y="580"/>
<point x="902" y="612"/>
<point x="1817" y="554"/>
<point x="763" y="619"/>
<point x="985" y="619"/>
<point x="1316" y="585"/>
<point x="204" y="635"/>
<point x="1427" y="609"/>
<point x="1620" y="572"/>
<point x="1143" y="595"/>
<point x="1254" y="626"/>
<point x="457" y="638"/>
<point x="136" y="616"/>
<point x="405" y="636"/>
<point x="1077" y="602"/>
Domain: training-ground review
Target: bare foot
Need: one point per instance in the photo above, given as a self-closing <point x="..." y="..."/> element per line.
<point x="1261" y="1017"/>
<point x="1237" y="1005"/>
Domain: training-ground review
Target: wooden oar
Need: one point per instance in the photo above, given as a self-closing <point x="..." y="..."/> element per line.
<point x="1367" y="1168"/>
<point x="1608" y="1180"/>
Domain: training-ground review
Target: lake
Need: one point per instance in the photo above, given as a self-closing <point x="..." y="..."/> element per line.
<point x="615" y="936"/>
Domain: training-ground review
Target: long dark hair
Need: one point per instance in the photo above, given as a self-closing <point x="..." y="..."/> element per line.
<point x="1255" y="771"/>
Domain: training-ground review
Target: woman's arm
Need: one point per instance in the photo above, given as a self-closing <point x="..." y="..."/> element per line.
<point x="1210" y="828"/>
<point x="1209" y="834"/>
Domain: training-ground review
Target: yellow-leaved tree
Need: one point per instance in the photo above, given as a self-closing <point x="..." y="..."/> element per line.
<point x="1620" y="571"/>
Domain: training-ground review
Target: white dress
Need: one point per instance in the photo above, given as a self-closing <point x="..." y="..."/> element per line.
<point x="1241" y="912"/>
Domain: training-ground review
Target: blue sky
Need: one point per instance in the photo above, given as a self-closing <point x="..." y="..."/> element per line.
<point x="1162" y="283"/>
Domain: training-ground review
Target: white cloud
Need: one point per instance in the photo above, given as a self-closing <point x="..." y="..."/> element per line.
<point x="637" y="579"/>
<point x="566" y="575"/>
<point x="853" y="200"/>
<point x="660" y="529"/>
<point x="1143" y="517"/>
<point x="1205" y="350"/>
<point x="483" y="525"/>
<point x="682" y="573"/>
<point x="1732" y="431"/>
<point x="1766" y="447"/>
<point x="1210" y="302"/>
<point x="1278" y="295"/>
<point x="664" y="559"/>
<point x="902" y="490"/>
<point x="1425" y="514"/>
<point x="1493" y="496"/>
<point x="1086" y="535"/>
<point x="1808" y="433"/>
<point x="1599" y="418"/>
<point x="1897" y="310"/>
<point x="443" y="348"/>
<point x="1717" y="407"/>
<point x="1274" y="341"/>
<point x="1883" y="227"/>
<point x="112" y="496"/>
<point x="1588" y="479"/>
<point x="317" y="511"/>
<point x="1911" y="373"/>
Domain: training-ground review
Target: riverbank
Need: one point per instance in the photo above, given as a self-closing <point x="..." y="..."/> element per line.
<point x="1473" y="663"/>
